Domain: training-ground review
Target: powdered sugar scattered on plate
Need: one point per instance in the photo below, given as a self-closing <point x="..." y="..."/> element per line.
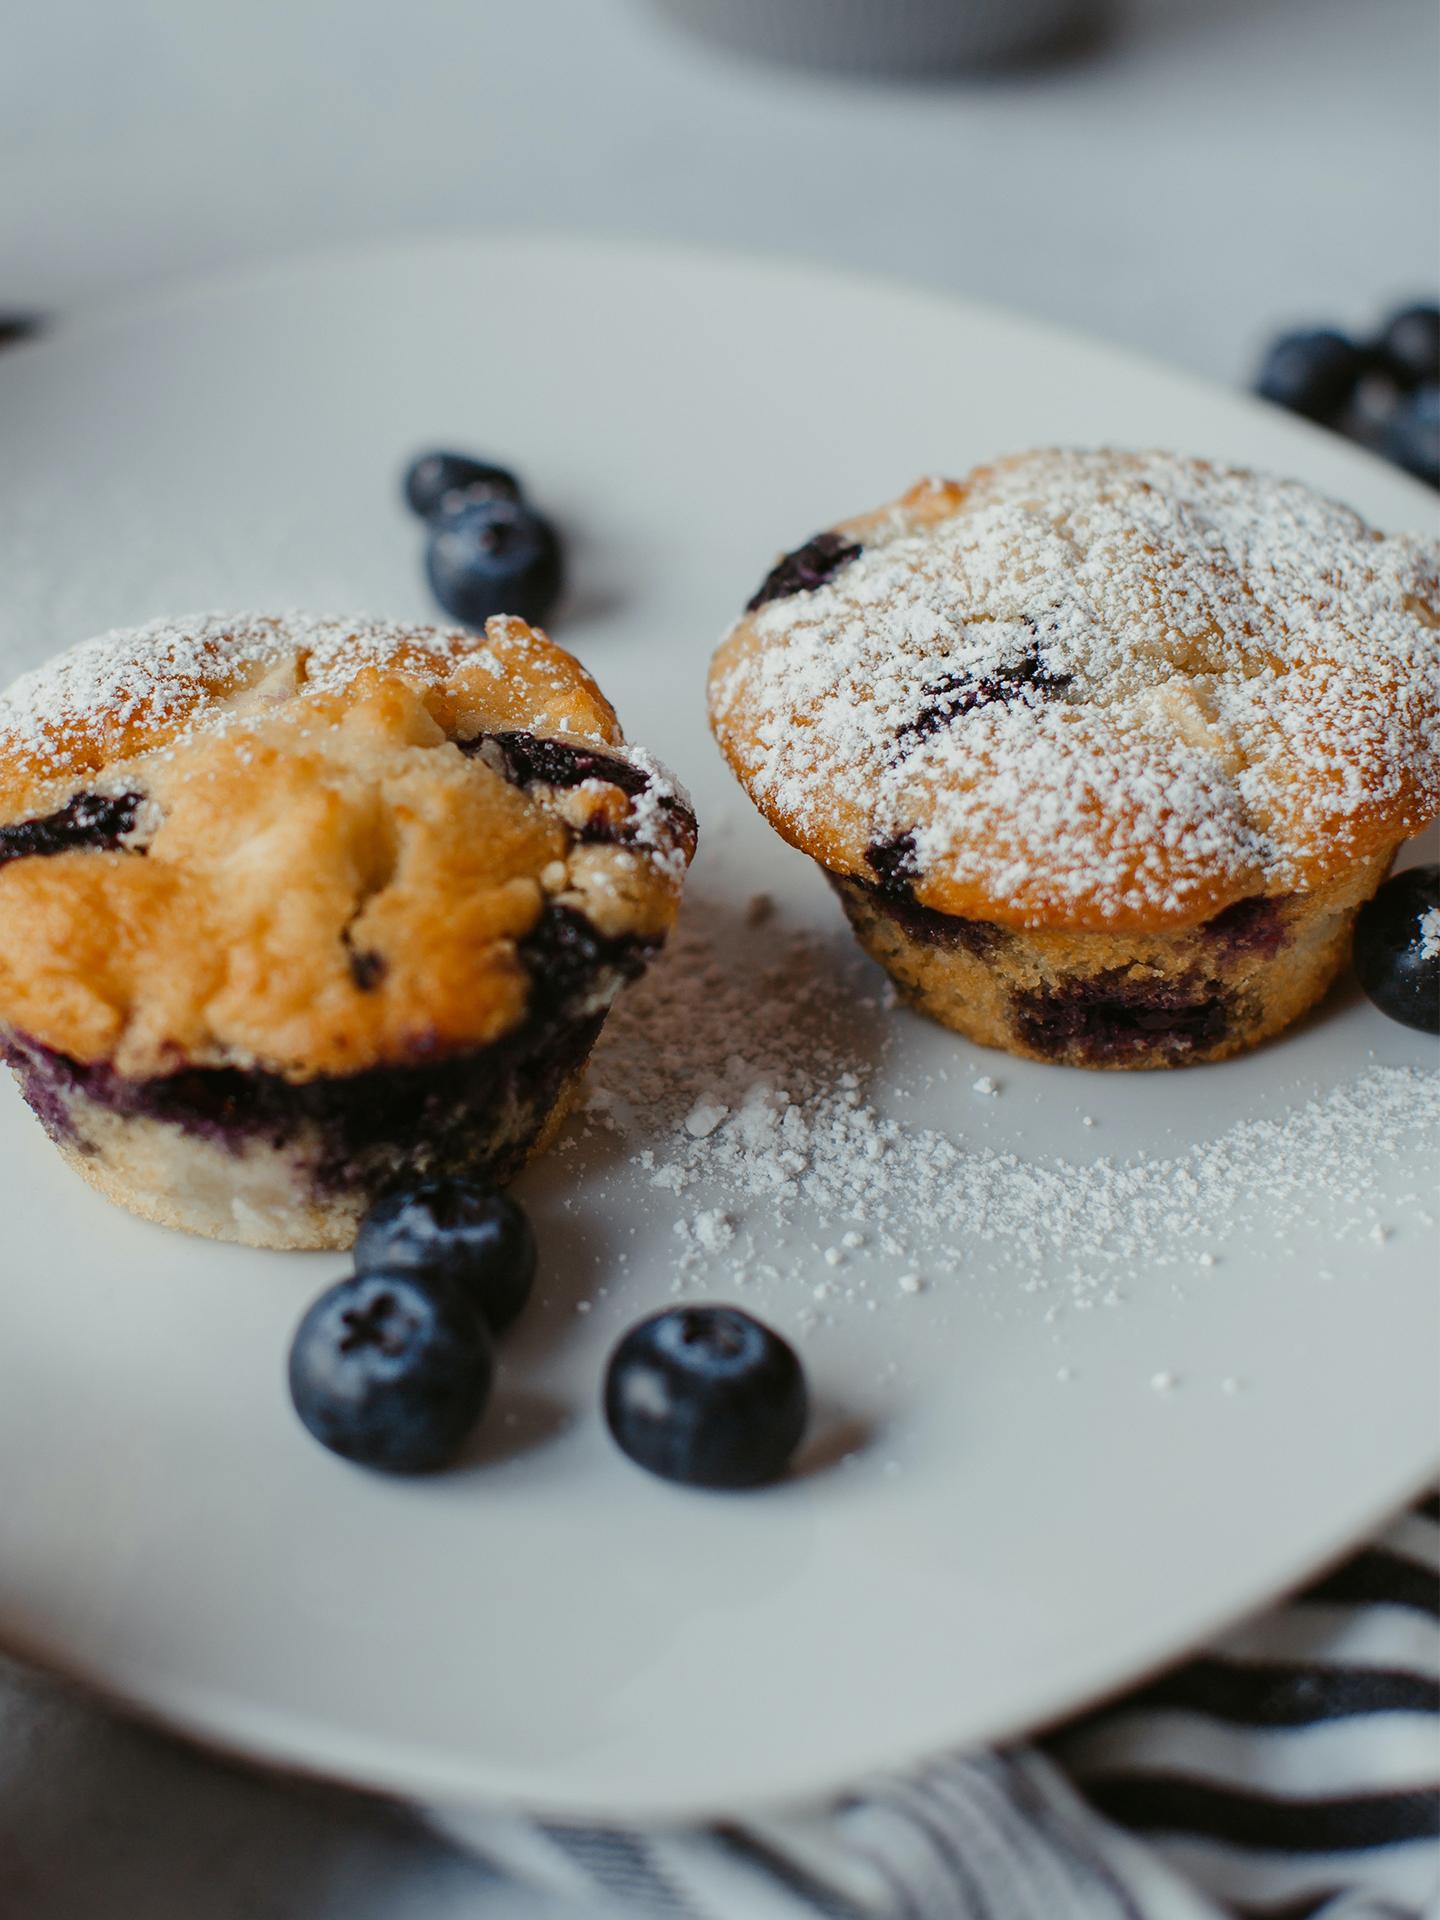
<point x="744" y="1093"/>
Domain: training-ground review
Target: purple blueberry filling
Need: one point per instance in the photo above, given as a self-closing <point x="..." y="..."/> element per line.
<point x="45" y="1078"/>
<point x="361" y="1121"/>
<point x="950" y="698"/>
<point x="565" y="955"/>
<point x="1254" y="925"/>
<point x="494" y="1098"/>
<point x="527" y="760"/>
<point x="895" y="865"/>
<point x="924" y="924"/>
<point x="367" y="968"/>
<point x="91" y="822"/>
<point x="1114" y="1016"/>
<point x="805" y="569"/>
<point x="530" y="760"/>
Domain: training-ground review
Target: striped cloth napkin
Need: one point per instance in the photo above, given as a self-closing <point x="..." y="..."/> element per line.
<point x="1292" y="1771"/>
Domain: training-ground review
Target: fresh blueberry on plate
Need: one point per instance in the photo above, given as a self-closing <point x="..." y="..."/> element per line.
<point x="1410" y="345"/>
<point x="498" y="556"/>
<point x="444" y="480"/>
<point x="391" y="1371"/>
<point x="706" y="1395"/>
<point x="1311" y="373"/>
<point x="1412" y="438"/>
<point x="460" y="1233"/>
<point x="1397" y="948"/>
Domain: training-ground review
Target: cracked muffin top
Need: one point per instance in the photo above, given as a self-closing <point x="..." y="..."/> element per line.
<point x="1091" y="690"/>
<point x="312" y="845"/>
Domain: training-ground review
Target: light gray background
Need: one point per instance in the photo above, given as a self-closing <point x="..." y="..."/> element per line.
<point x="1204" y="174"/>
<point x="1216" y="167"/>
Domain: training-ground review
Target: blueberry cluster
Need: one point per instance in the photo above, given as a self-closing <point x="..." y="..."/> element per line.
<point x="488" y="550"/>
<point x="1384" y="392"/>
<point x="393" y="1367"/>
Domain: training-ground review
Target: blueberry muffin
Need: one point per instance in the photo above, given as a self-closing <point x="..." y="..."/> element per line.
<point x="1102" y="752"/>
<point x="293" y="908"/>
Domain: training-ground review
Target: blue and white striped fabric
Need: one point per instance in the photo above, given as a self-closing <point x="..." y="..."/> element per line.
<point x="1292" y="1771"/>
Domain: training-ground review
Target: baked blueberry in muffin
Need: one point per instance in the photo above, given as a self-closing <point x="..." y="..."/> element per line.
<point x="292" y="909"/>
<point x="1102" y="752"/>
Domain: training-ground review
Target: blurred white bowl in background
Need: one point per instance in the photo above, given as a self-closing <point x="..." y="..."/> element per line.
<point x="886" y="36"/>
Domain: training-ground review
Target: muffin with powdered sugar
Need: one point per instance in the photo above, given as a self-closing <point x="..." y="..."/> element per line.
<point x="1101" y="751"/>
<point x="294" y="908"/>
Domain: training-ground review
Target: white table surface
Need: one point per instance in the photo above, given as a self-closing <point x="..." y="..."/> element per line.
<point x="1213" y="170"/>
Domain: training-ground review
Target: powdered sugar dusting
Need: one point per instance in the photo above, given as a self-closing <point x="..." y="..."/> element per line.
<point x="152" y="686"/>
<point x="1430" y="934"/>
<point x="160" y="674"/>
<point x="1100" y="684"/>
<point x="651" y="820"/>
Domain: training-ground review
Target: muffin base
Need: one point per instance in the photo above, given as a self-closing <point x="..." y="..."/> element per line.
<point x="1116" y="1001"/>
<point x="267" y="1176"/>
<point x="256" y="1195"/>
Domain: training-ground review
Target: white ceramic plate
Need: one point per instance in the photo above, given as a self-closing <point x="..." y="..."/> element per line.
<point x="547" y="1624"/>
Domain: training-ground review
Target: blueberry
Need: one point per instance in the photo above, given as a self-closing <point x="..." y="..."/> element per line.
<point x="91" y="822"/>
<point x="529" y="759"/>
<point x="459" y="1232"/>
<point x="953" y="695"/>
<point x="391" y="1371"/>
<point x="565" y="955"/>
<point x="497" y="557"/>
<point x="706" y="1396"/>
<point x="443" y="480"/>
<point x="1397" y="948"/>
<point x="1412" y="439"/>
<point x="1410" y="345"/>
<point x="807" y="568"/>
<point x="1311" y="373"/>
<point x="895" y="865"/>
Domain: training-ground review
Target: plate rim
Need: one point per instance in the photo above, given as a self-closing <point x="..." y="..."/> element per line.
<point x="433" y="1788"/>
<point x="195" y="288"/>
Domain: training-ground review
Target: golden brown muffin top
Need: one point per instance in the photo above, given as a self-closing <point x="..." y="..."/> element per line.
<point x="311" y="845"/>
<point x="1091" y="690"/>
